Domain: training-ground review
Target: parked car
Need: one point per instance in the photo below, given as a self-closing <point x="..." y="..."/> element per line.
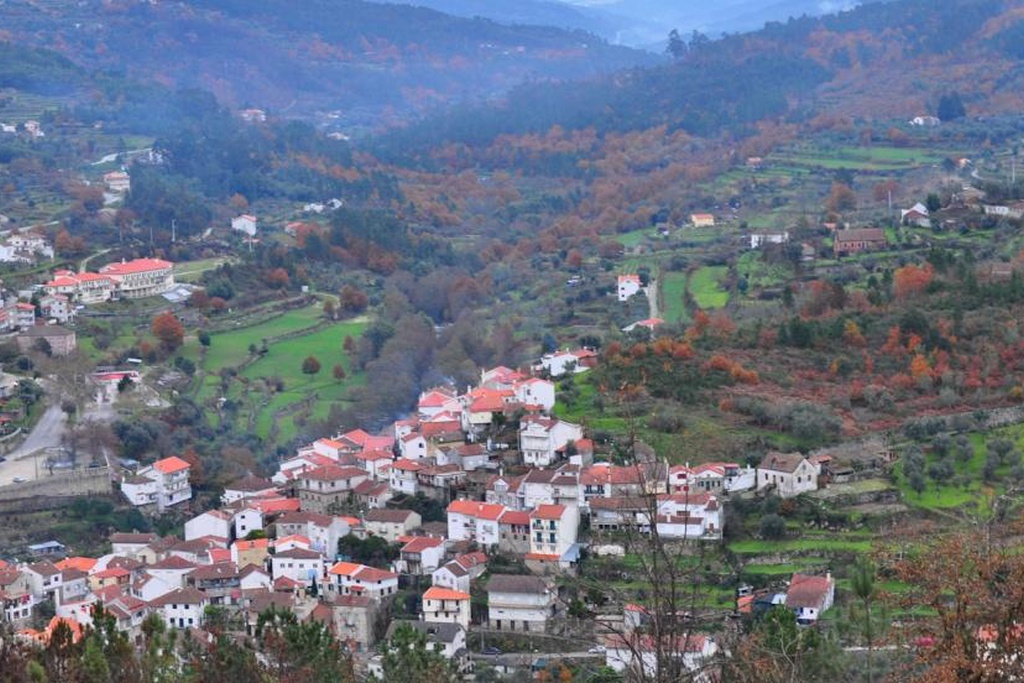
<point x="597" y="650"/>
<point x="491" y="650"/>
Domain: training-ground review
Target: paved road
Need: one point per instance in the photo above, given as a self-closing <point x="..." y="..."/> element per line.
<point x="652" y="298"/>
<point x="27" y="460"/>
<point x="46" y="434"/>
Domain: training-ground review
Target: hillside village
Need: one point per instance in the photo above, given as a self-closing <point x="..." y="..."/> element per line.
<point x="543" y="502"/>
<point x="710" y="370"/>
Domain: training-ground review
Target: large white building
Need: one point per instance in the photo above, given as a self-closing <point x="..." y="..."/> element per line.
<point x="473" y="521"/>
<point x="542" y="438"/>
<point x="164" y="483"/>
<point x="126" y="280"/>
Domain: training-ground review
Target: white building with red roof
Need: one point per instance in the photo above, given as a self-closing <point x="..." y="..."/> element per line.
<point x="461" y="571"/>
<point x="298" y="564"/>
<point x="629" y="285"/>
<point x="553" y="533"/>
<point x="140" y="277"/>
<point x="403" y="476"/>
<point x="500" y="378"/>
<point x="437" y="400"/>
<point x="536" y="392"/>
<point x="24" y="315"/>
<point x="540" y="439"/>
<point x="133" y="279"/>
<point x="182" y="608"/>
<point x="480" y="405"/>
<point x="420" y="555"/>
<point x="689" y="515"/>
<point x="117" y="181"/>
<point x="446" y="606"/>
<point x="470" y="520"/>
<point x="350" y="578"/>
<point x="164" y="483"/>
<point x="713" y="477"/>
<point x="809" y="596"/>
<point x="413" y="446"/>
<point x="639" y="652"/>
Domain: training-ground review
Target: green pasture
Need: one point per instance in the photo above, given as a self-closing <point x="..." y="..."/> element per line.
<point x="229" y="349"/>
<point x="799" y="545"/>
<point x="758" y="272"/>
<point x="881" y="158"/>
<point x="304" y="396"/>
<point x="634" y="238"/>
<point x="704" y="287"/>
<point x="673" y="296"/>
<point x="191" y="271"/>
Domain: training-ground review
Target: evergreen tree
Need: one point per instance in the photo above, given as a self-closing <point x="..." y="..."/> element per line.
<point x="951" y="107"/>
<point x="407" y="657"/>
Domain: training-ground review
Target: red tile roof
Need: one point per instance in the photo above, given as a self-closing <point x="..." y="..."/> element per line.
<point x="808" y="591"/>
<point x="439" y="593"/>
<point x="139" y="265"/>
<point x="421" y="543"/>
<point x="171" y="465"/>
<point x="476" y="509"/>
<point x="548" y="512"/>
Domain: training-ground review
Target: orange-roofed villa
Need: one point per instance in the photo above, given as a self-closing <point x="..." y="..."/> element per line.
<point x="446" y="606"/>
<point x="163" y="484"/>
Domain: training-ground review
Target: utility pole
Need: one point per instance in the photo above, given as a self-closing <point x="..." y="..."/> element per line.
<point x="174" y="230"/>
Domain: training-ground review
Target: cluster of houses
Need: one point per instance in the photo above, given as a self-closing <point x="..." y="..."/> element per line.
<point x="276" y="542"/>
<point x="25" y="247"/>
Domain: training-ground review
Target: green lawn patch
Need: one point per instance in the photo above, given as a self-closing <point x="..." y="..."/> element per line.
<point x="190" y="271"/>
<point x="704" y="287"/>
<point x="635" y="238"/>
<point x="673" y="296"/>
<point x="761" y="547"/>
<point x="229" y="349"/>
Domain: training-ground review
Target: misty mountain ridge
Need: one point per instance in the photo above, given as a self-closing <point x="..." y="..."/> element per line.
<point x="370" y="64"/>
<point x="638" y="23"/>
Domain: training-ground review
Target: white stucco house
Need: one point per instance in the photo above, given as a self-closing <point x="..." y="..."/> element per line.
<point x="788" y="474"/>
<point x="519" y="603"/>
<point x="540" y="439"/>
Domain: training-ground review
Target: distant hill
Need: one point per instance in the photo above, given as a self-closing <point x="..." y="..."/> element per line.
<point x="879" y="61"/>
<point x="366" y="62"/>
<point x="646" y="23"/>
<point x="521" y="12"/>
<point x="637" y="23"/>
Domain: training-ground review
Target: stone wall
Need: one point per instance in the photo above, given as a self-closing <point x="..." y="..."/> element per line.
<point x="51" y="491"/>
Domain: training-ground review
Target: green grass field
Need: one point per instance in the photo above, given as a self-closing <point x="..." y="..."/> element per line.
<point x="881" y="158"/>
<point x="758" y="547"/>
<point x="191" y="271"/>
<point x="705" y="289"/>
<point x="673" y="291"/>
<point x="272" y="414"/>
<point x="228" y="349"/>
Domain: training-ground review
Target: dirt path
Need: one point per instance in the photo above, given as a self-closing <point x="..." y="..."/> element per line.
<point x="652" y="298"/>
